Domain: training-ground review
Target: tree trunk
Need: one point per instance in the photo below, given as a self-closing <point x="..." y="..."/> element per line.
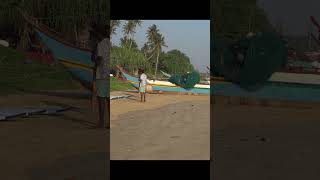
<point x="155" y="73"/>
<point x="76" y="34"/>
<point x="150" y="57"/>
<point x="117" y="74"/>
<point x="24" y="38"/>
<point x="130" y="43"/>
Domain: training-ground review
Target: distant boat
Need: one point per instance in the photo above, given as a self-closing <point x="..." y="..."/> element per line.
<point x="166" y="86"/>
<point x="207" y="81"/>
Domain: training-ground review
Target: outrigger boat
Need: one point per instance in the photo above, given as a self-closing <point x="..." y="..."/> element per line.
<point x="166" y="86"/>
<point x="296" y="90"/>
<point x="294" y="83"/>
<point x="77" y="60"/>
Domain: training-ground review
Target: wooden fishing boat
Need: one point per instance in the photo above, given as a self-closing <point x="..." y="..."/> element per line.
<point x="285" y="85"/>
<point x="75" y="59"/>
<point x="206" y="82"/>
<point x="166" y="86"/>
<point x="303" y="78"/>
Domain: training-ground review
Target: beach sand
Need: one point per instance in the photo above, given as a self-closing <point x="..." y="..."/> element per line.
<point x="52" y="147"/>
<point x="265" y="142"/>
<point x="166" y="127"/>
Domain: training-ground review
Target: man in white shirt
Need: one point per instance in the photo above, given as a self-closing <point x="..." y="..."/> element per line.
<point x="142" y="85"/>
<point x="101" y="79"/>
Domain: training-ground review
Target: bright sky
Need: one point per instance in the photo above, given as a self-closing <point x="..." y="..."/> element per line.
<point x="192" y="37"/>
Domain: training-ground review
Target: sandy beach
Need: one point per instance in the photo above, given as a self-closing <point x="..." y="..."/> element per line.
<point x="265" y="142"/>
<point x="166" y="127"/>
<point x="52" y="147"/>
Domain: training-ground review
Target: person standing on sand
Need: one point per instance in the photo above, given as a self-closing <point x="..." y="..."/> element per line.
<point x="142" y="85"/>
<point x="101" y="75"/>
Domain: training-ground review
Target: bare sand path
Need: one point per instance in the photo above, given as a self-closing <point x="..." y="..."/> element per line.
<point x="256" y="142"/>
<point x="52" y="147"/>
<point x="166" y="127"/>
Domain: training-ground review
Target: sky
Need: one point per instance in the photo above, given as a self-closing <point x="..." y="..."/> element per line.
<point x="192" y="37"/>
<point x="293" y="14"/>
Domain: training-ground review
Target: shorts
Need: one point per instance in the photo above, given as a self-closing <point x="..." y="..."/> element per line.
<point x="102" y="88"/>
<point x="142" y="89"/>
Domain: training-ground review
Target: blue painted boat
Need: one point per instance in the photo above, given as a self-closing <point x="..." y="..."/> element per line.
<point x="165" y="86"/>
<point x="299" y="93"/>
<point x="77" y="60"/>
<point x="290" y="86"/>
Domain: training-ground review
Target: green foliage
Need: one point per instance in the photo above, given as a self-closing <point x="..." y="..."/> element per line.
<point x="130" y="59"/>
<point x="155" y="43"/>
<point x="114" y="24"/>
<point x="151" y="56"/>
<point x="116" y="85"/>
<point x="68" y="18"/>
<point x="128" y="43"/>
<point x="129" y="31"/>
<point x="239" y="17"/>
<point x="15" y="74"/>
<point x="175" y="61"/>
<point x="130" y="26"/>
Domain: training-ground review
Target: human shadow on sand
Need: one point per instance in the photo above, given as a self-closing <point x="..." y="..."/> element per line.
<point x="83" y="121"/>
<point x="93" y="166"/>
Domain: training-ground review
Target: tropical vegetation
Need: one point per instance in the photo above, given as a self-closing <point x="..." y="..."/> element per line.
<point x="72" y="19"/>
<point x="151" y="56"/>
<point x="237" y="18"/>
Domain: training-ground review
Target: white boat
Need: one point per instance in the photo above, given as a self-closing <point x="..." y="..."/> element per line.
<point x="167" y="83"/>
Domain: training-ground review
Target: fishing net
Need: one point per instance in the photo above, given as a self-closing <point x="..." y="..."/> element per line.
<point x="250" y="61"/>
<point x="186" y="81"/>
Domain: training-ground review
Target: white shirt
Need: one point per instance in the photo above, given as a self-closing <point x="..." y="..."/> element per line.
<point x="103" y="50"/>
<point x="143" y="79"/>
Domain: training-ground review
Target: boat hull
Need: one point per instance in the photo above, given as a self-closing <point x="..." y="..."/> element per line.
<point x="271" y="91"/>
<point x="76" y="61"/>
<point x="167" y="86"/>
<point x="291" y="86"/>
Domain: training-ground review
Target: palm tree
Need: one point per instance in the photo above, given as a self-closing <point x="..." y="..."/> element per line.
<point x="129" y="29"/>
<point x="114" y="24"/>
<point x="149" y="47"/>
<point x="124" y="43"/>
<point x="155" y="42"/>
